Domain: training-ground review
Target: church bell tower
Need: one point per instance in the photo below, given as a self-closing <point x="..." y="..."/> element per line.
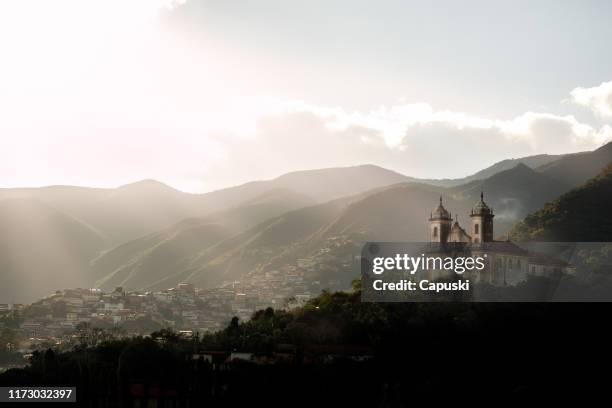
<point x="440" y="224"/>
<point x="482" y="222"/>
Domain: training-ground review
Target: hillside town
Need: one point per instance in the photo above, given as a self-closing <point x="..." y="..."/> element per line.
<point x="57" y="319"/>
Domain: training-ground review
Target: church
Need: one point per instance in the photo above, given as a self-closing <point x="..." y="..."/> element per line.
<point x="443" y="229"/>
<point x="509" y="263"/>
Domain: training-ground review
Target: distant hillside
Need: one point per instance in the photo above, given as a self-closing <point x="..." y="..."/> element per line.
<point x="512" y="194"/>
<point x="42" y="249"/>
<point x="152" y="236"/>
<point x="529" y="161"/>
<point x="144" y="207"/>
<point x="120" y="214"/>
<point x="158" y="255"/>
<point x="139" y="263"/>
<point x="159" y="226"/>
<point x="581" y="215"/>
<point x="270" y="204"/>
<point x="575" y="169"/>
<point x="398" y="213"/>
<point x="571" y="169"/>
<point x="394" y="213"/>
<point x="321" y="185"/>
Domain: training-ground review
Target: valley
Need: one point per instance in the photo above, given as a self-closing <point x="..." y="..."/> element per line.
<point x="146" y="236"/>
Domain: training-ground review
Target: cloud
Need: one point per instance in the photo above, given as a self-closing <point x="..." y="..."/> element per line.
<point x="597" y="98"/>
<point x="262" y="138"/>
<point x="106" y="94"/>
<point x="411" y="138"/>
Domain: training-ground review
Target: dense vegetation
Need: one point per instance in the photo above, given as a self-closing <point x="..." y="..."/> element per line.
<point x="419" y="350"/>
<point x="581" y="215"/>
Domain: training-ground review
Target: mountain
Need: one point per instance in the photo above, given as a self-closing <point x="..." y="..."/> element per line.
<point x="77" y="226"/>
<point x="398" y="213"/>
<point x="146" y="260"/>
<point x="270" y="204"/>
<point x="394" y="213"/>
<point x="581" y="215"/>
<point x="148" y="235"/>
<point x="529" y="161"/>
<point x="329" y="184"/>
<point x="512" y="193"/>
<point x="119" y="214"/>
<point x="137" y="209"/>
<point x="321" y="185"/>
<point x="157" y="255"/>
<point x="575" y="169"/>
<point x="572" y="169"/>
<point x="42" y="249"/>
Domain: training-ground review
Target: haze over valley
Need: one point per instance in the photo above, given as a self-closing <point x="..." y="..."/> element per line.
<point x="149" y="236"/>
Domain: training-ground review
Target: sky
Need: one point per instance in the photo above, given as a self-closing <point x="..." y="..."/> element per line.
<point x="205" y="94"/>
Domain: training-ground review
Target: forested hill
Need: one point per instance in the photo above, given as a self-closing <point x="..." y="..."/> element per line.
<point x="584" y="214"/>
<point x="434" y="350"/>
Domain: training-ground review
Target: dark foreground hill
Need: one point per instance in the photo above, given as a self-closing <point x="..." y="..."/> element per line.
<point x="338" y="351"/>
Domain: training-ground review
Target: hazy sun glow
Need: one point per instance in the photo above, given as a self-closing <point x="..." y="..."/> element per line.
<point x="108" y="92"/>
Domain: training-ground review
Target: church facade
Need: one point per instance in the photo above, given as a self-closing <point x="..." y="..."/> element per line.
<point x="508" y="263"/>
<point x="443" y="229"/>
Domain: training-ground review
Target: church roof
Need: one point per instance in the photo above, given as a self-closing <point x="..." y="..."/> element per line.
<point x="506" y="247"/>
<point x="540" y="258"/>
<point x="456" y="226"/>
<point x="440" y="212"/>
<point x="481" y="208"/>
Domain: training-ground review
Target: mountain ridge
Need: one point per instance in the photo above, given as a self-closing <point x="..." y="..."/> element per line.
<point x="372" y="216"/>
<point x="576" y="216"/>
<point x="209" y="238"/>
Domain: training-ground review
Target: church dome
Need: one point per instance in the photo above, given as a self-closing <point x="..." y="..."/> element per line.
<point x="440" y="212"/>
<point x="481" y="208"/>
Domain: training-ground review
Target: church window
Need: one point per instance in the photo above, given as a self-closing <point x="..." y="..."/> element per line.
<point x="476" y="228"/>
<point x="435" y="232"/>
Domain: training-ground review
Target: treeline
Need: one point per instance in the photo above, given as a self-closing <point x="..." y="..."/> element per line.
<point x="418" y="350"/>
